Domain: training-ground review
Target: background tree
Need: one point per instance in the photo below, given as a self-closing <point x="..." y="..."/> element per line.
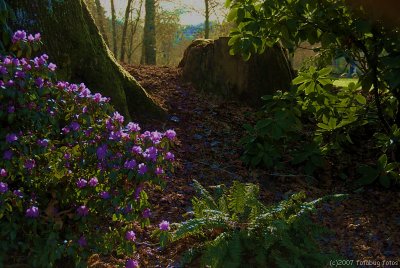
<point x="207" y="19"/>
<point x="125" y="28"/>
<point x="149" y="34"/>
<point x="114" y="29"/>
<point x="75" y="44"/>
<point x="133" y="30"/>
<point x="100" y="20"/>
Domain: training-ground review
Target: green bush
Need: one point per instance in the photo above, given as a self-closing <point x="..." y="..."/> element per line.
<point x="239" y="231"/>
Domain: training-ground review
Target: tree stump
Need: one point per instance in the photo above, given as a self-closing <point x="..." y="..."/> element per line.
<point x="209" y="66"/>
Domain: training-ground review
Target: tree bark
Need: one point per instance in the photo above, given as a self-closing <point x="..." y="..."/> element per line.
<point x="125" y="28"/>
<point x="114" y="29"/>
<point x="74" y="43"/>
<point x="149" y="35"/>
<point x="207" y="20"/>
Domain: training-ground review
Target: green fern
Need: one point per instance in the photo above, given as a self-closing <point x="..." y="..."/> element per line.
<point x="240" y="231"/>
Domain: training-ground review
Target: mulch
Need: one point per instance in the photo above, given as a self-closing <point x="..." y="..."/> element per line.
<point x="365" y="226"/>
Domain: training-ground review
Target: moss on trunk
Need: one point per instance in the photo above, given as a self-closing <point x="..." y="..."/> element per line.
<point x="74" y="43"/>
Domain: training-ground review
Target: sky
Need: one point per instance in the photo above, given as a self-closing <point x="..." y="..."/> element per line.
<point x="193" y="15"/>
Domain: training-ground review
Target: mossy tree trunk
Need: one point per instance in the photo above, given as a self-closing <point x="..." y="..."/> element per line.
<point x="74" y="43"/>
<point x="149" y="35"/>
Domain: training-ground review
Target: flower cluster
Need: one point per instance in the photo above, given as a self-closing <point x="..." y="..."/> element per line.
<point x="67" y="156"/>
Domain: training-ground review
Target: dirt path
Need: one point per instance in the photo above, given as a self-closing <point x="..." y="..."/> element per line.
<point x="365" y="227"/>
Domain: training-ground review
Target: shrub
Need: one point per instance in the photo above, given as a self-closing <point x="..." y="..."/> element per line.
<point x="240" y="231"/>
<point x="71" y="171"/>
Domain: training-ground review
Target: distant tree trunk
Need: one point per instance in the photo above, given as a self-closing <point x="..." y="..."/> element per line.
<point x="131" y="50"/>
<point x="149" y="35"/>
<point x="114" y="29"/>
<point x="125" y="28"/>
<point x="207" y="21"/>
<point x="100" y="20"/>
<point x="74" y="43"/>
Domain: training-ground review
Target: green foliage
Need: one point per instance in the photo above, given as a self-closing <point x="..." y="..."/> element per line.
<point x="5" y="14"/>
<point x="383" y="171"/>
<point x="240" y="231"/>
<point x="333" y="114"/>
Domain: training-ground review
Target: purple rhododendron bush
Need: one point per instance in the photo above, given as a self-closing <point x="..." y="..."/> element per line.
<point x="72" y="170"/>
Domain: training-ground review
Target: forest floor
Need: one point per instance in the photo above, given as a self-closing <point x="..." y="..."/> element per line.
<point x="365" y="226"/>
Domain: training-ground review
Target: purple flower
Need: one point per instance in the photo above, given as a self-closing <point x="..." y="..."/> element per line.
<point x="52" y="67"/>
<point x="115" y="135"/>
<point x="170" y="134"/>
<point x="19" y="35"/>
<point x="37" y="37"/>
<point x="130" y="263"/>
<point x="84" y="109"/>
<point x="81" y="183"/>
<point x="130" y="236"/>
<point x="146" y="213"/>
<point x="93" y="182"/>
<point x="169" y="156"/>
<point x="8" y="155"/>
<point x="102" y="152"/>
<point x="82" y="242"/>
<point x="20" y="74"/>
<point x="137" y="192"/>
<point x="31" y="38"/>
<point x="151" y="153"/>
<point x="142" y="168"/>
<point x="105" y="195"/>
<point x="155" y="137"/>
<point x="39" y="82"/>
<point x="30" y="164"/>
<point x="10" y="83"/>
<point x="133" y="127"/>
<point x="65" y="130"/>
<point x="32" y="212"/>
<point x="11" y="137"/>
<point x="159" y="171"/>
<point x="11" y="109"/>
<point x="18" y="193"/>
<point x="74" y="126"/>
<point x="97" y="97"/>
<point x="164" y="226"/>
<point x="3" y="172"/>
<point x="130" y="164"/>
<point x="137" y="150"/>
<point x="43" y="142"/>
<point x="7" y="61"/>
<point x="83" y="211"/>
<point x="67" y="156"/>
<point x="118" y="117"/>
<point x="3" y="70"/>
<point x="3" y="187"/>
<point x="16" y="62"/>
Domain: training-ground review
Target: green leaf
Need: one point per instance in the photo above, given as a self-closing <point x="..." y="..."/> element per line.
<point x="369" y="175"/>
<point x="384" y="181"/>
<point x="382" y="161"/>
<point x="361" y="99"/>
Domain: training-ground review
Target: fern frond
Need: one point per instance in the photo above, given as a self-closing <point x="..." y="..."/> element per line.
<point x="216" y="251"/>
<point x="237" y="197"/>
<point x="204" y="195"/>
<point x="196" y="226"/>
